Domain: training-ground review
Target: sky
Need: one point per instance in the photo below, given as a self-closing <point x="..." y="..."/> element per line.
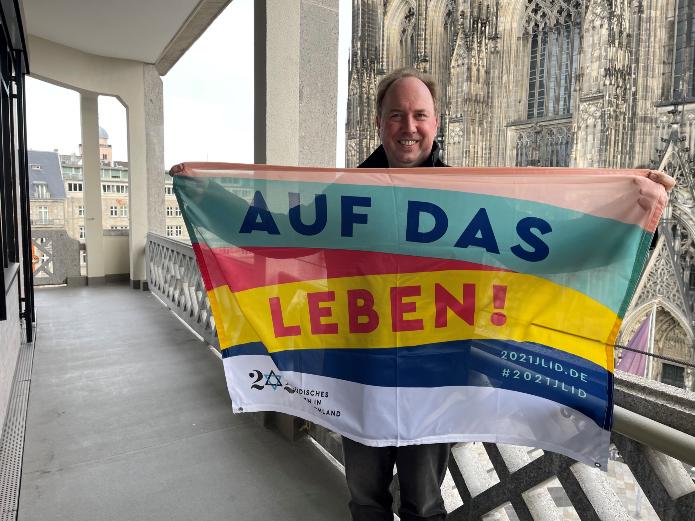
<point x="208" y="99"/>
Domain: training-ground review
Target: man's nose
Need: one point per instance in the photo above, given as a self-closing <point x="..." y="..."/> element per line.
<point x="409" y="124"/>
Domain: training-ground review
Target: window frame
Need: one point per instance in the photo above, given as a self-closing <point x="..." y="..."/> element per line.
<point x="15" y="215"/>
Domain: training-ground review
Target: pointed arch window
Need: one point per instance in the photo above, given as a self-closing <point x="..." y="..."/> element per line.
<point x="553" y="57"/>
<point x="683" y="82"/>
<point x="407" y="37"/>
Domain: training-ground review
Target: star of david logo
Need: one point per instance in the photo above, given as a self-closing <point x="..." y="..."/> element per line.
<point x="273" y="380"/>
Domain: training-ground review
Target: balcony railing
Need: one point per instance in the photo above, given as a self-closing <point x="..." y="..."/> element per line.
<point x="49" y="223"/>
<point x="173" y="275"/>
<point x="486" y="481"/>
<point x="55" y="256"/>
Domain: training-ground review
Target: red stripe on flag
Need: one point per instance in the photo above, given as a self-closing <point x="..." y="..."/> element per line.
<point x="253" y="267"/>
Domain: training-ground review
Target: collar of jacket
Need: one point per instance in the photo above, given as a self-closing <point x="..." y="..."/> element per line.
<point x="378" y="158"/>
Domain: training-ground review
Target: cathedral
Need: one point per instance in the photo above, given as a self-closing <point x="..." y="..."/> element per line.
<point x="563" y="83"/>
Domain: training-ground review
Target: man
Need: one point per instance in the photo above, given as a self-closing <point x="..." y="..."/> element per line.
<point x="407" y="119"/>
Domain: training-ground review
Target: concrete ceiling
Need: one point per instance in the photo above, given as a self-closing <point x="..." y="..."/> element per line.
<point x="150" y="31"/>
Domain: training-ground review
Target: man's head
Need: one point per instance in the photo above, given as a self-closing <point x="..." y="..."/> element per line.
<point x="407" y="116"/>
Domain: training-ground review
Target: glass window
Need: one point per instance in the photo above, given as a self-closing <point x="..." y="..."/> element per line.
<point x="673" y="375"/>
<point x="110" y="188"/>
<point x="683" y="79"/>
<point x="553" y="58"/>
<point x="41" y="191"/>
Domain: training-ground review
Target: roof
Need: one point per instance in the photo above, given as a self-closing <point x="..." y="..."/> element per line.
<point x="102" y="133"/>
<point x="44" y="167"/>
<point x="155" y="31"/>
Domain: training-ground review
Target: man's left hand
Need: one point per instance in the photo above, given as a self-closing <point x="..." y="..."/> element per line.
<point x="649" y="189"/>
<point x="663" y="179"/>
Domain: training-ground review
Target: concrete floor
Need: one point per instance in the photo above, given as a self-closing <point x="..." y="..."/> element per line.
<point x="129" y="419"/>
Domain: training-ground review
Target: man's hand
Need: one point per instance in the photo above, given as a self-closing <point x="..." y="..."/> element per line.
<point x="649" y="187"/>
<point x="663" y="179"/>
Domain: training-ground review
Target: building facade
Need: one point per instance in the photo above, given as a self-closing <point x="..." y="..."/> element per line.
<point x="57" y="196"/>
<point x="46" y="190"/>
<point x="581" y="83"/>
<point x="175" y="227"/>
<point x="114" y="195"/>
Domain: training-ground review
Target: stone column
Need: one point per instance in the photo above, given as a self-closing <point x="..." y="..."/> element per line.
<point x="91" y="171"/>
<point x="154" y="148"/>
<point x="296" y="85"/>
<point x="146" y="179"/>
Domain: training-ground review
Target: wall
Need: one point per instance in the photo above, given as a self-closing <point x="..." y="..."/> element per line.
<point x="116" y="260"/>
<point x="10" y="342"/>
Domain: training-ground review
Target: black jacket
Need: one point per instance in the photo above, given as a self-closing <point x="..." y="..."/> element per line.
<point x="378" y="158"/>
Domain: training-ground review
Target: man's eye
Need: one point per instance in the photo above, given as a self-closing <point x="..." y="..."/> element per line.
<point x="421" y="116"/>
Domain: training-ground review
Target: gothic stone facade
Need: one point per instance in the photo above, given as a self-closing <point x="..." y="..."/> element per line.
<point x="582" y="83"/>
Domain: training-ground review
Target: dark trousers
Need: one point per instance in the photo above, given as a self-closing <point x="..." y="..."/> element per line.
<point x="421" y="471"/>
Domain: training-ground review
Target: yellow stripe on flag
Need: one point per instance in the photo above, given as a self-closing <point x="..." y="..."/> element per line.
<point x="316" y="314"/>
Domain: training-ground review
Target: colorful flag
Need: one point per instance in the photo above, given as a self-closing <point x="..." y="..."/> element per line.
<point x="408" y="306"/>
<point x="634" y="362"/>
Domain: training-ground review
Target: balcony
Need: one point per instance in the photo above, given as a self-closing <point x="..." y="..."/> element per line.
<point x="135" y="423"/>
<point x="119" y="411"/>
<point x="47" y="223"/>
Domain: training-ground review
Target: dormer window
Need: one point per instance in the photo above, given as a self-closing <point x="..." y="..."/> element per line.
<point x="41" y="191"/>
<point x="35" y="166"/>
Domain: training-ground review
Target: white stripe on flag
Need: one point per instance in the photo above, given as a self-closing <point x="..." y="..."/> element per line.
<point x="369" y="414"/>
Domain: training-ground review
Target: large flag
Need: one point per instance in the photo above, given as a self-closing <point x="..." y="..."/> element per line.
<point x="408" y="306"/>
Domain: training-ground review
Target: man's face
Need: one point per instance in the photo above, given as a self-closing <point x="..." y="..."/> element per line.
<point x="407" y="123"/>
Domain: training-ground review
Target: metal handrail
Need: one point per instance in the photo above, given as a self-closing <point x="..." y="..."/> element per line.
<point x="646" y="431"/>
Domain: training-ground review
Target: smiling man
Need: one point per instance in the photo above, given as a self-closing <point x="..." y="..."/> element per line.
<point x="407" y="119"/>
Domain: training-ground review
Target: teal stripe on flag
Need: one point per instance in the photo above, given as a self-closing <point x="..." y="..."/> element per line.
<point x="216" y="214"/>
